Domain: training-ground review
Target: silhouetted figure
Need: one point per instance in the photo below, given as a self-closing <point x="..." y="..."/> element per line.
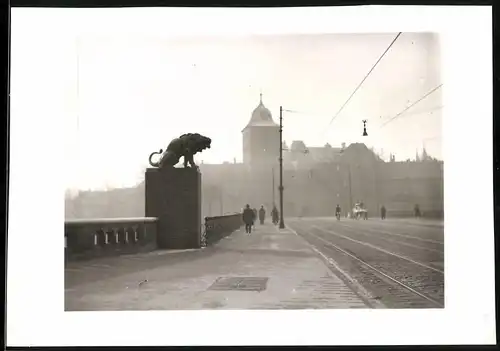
<point x="337" y="212"/>
<point x="255" y="213"/>
<point x="248" y="218"/>
<point x="417" y="211"/>
<point x="382" y="212"/>
<point x="262" y="214"/>
<point x="275" y="215"/>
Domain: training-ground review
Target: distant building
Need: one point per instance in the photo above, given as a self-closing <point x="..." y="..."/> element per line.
<point x="260" y="139"/>
<point x="315" y="179"/>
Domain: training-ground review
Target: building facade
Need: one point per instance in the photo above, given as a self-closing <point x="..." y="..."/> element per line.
<point x="315" y="180"/>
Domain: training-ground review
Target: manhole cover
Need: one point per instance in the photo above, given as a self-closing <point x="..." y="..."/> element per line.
<point x="240" y="283"/>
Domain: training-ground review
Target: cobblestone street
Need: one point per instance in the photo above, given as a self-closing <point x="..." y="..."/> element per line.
<point x="398" y="262"/>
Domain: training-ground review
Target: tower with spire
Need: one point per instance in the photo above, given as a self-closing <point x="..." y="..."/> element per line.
<point x="425" y="156"/>
<point x="261" y="138"/>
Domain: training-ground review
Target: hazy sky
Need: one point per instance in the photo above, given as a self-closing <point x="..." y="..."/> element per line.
<point x="135" y="93"/>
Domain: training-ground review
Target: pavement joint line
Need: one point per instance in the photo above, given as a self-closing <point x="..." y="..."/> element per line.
<point x="380" y="249"/>
<point x="364" y="294"/>
<point x="398" y="242"/>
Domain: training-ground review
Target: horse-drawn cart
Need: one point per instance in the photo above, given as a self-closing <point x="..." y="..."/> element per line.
<point x="359" y="211"/>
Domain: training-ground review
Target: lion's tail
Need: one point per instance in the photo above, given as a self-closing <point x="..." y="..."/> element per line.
<point x="155" y="164"/>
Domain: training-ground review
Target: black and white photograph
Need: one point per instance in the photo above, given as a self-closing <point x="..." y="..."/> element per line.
<point x="353" y="199"/>
<point x="288" y="171"/>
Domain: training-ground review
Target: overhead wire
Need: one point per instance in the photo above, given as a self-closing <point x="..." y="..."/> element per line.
<point x="305" y="113"/>
<point x="355" y="90"/>
<point x="363" y="80"/>
<point x="361" y="83"/>
<point x="411" y="105"/>
<point x="420" y="112"/>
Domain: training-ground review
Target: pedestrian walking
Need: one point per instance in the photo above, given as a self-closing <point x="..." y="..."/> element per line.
<point x="337" y="212"/>
<point x="275" y="215"/>
<point x="262" y="214"/>
<point x="248" y="218"/>
<point x="254" y="210"/>
<point x="417" y="211"/>
<point x="382" y="212"/>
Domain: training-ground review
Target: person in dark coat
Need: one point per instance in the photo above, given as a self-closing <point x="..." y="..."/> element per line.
<point x="262" y="214"/>
<point x="337" y="211"/>
<point x="382" y="212"/>
<point x="248" y="218"/>
<point x="417" y="211"/>
<point x="275" y="215"/>
<point x="254" y="215"/>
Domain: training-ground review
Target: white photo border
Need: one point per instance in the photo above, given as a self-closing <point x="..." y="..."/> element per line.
<point x="35" y="289"/>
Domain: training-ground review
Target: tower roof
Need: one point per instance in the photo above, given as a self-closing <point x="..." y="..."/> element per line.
<point x="261" y="117"/>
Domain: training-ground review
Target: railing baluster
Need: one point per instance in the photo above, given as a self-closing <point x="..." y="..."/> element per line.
<point x="85" y="238"/>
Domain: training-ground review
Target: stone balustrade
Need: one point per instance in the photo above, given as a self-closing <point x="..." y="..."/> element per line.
<point x="87" y="238"/>
<point x="219" y="227"/>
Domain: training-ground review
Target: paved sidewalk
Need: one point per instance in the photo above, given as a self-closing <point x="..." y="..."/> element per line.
<point x="297" y="279"/>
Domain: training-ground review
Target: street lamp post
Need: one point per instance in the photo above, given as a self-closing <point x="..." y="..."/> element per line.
<point x="274" y="199"/>
<point x="221" y="200"/>
<point x="350" y="187"/>
<point x="349" y="180"/>
<point x="282" y="222"/>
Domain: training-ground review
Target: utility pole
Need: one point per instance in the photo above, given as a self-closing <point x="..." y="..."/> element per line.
<point x="274" y="199"/>
<point x="221" y="199"/>
<point x="350" y="188"/>
<point x="282" y="222"/>
<point x="78" y="198"/>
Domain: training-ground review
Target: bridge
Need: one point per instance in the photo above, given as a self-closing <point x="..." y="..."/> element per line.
<point x="116" y="264"/>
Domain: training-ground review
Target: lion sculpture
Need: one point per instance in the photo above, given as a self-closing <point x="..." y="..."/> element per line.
<point x="184" y="146"/>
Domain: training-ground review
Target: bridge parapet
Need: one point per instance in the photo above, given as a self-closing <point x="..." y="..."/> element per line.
<point x="219" y="227"/>
<point x="88" y="238"/>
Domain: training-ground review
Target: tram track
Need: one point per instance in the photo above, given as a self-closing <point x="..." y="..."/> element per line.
<point x="395" y="280"/>
<point x="417" y="232"/>
<point x="396" y="239"/>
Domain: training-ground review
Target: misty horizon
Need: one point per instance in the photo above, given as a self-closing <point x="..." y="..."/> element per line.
<point x="151" y="90"/>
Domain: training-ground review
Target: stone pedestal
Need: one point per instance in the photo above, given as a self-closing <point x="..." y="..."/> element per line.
<point x="174" y="196"/>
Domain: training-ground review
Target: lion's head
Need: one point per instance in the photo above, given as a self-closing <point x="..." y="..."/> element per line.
<point x="197" y="141"/>
<point x="205" y="142"/>
<point x="202" y="142"/>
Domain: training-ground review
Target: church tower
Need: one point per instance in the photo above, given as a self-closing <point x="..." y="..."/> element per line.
<point x="261" y="139"/>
